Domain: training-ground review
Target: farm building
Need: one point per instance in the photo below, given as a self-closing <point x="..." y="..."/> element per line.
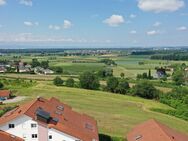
<point x="5" y="94"/>
<point x="153" y="130"/>
<point x="49" y="120"/>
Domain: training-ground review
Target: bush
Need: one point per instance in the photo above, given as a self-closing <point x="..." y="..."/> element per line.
<point x="70" y="82"/>
<point x="58" y="81"/>
<point x="146" y="90"/>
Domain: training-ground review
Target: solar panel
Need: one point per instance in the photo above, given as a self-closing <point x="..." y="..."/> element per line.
<point x="55" y="119"/>
<point x="43" y="114"/>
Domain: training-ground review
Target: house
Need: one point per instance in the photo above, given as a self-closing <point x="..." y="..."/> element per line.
<point x="153" y="130"/>
<point x="3" y="69"/>
<point x="23" y="69"/>
<point x="40" y="70"/>
<point x="5" y="94"/>
<point x="49" y="120"/>
<point x="4" y="136"/>
<point x="160" y="72"/>
<point x="48" y="71"/>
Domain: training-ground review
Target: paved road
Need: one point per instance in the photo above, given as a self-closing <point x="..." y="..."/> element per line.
<point x="14" y="100"/>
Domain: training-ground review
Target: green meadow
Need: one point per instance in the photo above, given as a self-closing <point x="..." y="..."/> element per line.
<point x="116" y="114"/>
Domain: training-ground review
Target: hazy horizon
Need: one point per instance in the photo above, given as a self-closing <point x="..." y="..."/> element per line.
<point x="110" y="23"/>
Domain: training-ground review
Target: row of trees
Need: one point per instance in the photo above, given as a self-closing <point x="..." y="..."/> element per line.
<point x="36" y="63"/>
<point x="173" y="56"/>
<point x="89" y="80"/>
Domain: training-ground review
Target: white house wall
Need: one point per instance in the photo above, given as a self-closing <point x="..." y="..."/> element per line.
<point x="59" y="136"/>
<point x="22" y="128"/>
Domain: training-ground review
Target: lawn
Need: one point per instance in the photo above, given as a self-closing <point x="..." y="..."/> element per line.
<point x="116" y="114"/>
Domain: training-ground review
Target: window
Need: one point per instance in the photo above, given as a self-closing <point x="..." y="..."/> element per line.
<point x="34" y="136"/>
<point x="11" y="125"/>
<point x="33" y="125"/>
<point x="50" y="136"/>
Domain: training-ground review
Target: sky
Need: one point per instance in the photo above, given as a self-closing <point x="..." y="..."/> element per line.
<point x="92" y="23"/>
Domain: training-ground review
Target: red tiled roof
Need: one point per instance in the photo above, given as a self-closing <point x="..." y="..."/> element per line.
<point x="153" y="130"/>
<point x="72" y="123"/>
<point x="5" y="93"/>
<point x="4" y="136"/>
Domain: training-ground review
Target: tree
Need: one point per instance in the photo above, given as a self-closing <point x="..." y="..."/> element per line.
<point x="144" y="75"/>
<point x="149" y="74"/>
<point x="146" y="90"/>
<point x="122" y="75"/>
<point x="123" y="86"/>
<point x="58" y="81"/>
<point x="35" y="63"/>
<point x="105" y="73"/>
<point x="178" y="77"/>
<point x="70" y="82"/>
<point x="88" y="80"/>
<point x="58" y="70"/>
<point x="44" y="64"/>
<point x="1" y="85"/>
<point x="112" y="84"/>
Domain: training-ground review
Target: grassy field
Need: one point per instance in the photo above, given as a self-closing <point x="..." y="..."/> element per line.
<point x="116" y="114"/>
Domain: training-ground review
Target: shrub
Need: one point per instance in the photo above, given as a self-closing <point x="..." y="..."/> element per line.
<point x="70" y="82"/>
<point x="58" y="81"/>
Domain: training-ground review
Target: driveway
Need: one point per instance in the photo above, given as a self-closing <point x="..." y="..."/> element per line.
<point x="15" y="99"/>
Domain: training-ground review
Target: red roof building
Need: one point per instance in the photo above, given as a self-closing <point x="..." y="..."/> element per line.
<point x="52" y="114"/>
<point x="153" y="130"/>
<point x="8" y="137"/>
<point x="5" y="94"/>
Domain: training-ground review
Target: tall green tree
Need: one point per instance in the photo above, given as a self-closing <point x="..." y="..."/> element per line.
<point x="112" y="84"/>
<point x="88" y="80"/>
<point x="45" y="64"/>
<point x="35" y="63"/>
<point x="123" y="86"/>
<point x="178" y="77"/>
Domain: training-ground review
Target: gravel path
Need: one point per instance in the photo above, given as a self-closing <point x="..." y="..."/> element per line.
<point x="14" y="100"/>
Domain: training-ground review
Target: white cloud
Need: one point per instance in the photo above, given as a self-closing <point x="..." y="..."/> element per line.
<point x="2" y="2"/>
<point x="67" y="24"/>
<point x="157" y="24"/>
<point x="182" y="28"/>
<point x="55" y="27"/>
<point x="133" y="32"/>
<point x="28" y="23"/>
<point x="160" y="5"/>
<point x="152" y="32"/>
<point x="114" y="20"/>
<point x="26" y="2"/>
<point x="132" y="16"/>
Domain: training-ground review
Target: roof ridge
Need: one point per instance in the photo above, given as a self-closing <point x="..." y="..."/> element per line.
<point x="32" y="102"/>
<point x="159" y="125"/>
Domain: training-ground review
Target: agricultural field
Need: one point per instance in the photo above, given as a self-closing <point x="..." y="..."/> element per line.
<point x="116" y="114"/>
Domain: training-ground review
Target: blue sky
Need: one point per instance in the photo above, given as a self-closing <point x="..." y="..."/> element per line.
<point x="94" y="22"/>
